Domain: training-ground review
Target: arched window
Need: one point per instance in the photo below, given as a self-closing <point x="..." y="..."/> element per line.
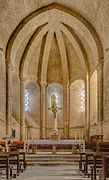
<point x="83" y="100"/>
<point x="26" y="100"/>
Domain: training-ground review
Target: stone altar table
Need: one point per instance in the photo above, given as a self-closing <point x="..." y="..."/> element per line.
<point x="60" y="142"/>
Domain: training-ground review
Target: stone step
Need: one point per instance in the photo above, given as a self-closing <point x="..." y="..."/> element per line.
<point x="52" y="156"/>
<point x="52" y="163"/>
<point x="51" y="160"/>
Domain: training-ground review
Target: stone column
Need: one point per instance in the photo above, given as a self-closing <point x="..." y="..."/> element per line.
<point x="66" y="109"/>
<point x="100" y="96"/>
<point x="43" y="111"/>
<point x="87" y="108"/>
<point x="8" y="98"/>
<point x="22" y="109"/>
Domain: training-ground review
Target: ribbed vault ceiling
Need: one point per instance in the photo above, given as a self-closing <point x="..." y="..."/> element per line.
<point x="54" y="42"/>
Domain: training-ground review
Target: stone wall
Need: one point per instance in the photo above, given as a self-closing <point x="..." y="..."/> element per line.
<point x="93" y="98"/>
<point x="106" y="97"/>
<point x="15" y="96"/>
<point x="96" y="12"/>
<point x="77" y="116"/>
<point x="2" y="96"/>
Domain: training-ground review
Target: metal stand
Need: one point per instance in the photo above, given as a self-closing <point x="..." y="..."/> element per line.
<point x="74" y="149"/>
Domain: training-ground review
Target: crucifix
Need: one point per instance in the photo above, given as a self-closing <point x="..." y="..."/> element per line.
<point x="54" y="108"/>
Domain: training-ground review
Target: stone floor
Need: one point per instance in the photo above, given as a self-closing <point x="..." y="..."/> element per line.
<point x="51" y="173"/>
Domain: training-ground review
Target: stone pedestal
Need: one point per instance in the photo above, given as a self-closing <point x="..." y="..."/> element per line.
<point x="74" y="149"/>
<point x="54" y="149"/>
<point x="34" y="147"/>
<point x="55" y="135"/>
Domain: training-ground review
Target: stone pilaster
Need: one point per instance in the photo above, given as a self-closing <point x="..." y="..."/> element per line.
<point x="66" y="109"/>
<point x="87" y="107"/>
<point x="100" y="96"/>
<point x="43" y="111"/>
<point x="22" y="109"/>
<point x="8" y="98"/>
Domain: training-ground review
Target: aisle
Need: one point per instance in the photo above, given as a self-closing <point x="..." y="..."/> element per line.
<point x="52" y="173"/>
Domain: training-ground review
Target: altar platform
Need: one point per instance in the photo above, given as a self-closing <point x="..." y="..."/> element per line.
<point x="55" y="146"/>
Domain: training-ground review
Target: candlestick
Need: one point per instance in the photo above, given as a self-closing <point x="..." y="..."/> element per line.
<point x="75" y="138"/>
<point x="56" y="122"/>
<point x="82" y="137"/>
<point x="32" y="139"/>
<point x="26" y="137"/>
<point x="79" y="138"/>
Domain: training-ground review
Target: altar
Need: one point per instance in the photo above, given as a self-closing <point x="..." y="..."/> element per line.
<point x="54" y="145"/>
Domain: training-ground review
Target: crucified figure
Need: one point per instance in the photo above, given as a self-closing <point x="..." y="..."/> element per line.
<point x="54" y="108"/>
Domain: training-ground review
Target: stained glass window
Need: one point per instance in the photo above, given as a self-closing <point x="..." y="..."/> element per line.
<point x="83" y="100"/>
<point x="26" y="100"/>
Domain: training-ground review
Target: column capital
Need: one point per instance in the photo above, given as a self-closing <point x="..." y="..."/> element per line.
<point x="100" y="63"/>
<point x="22" y="79"/>
<point x="43" y="85"/>
<point x="8" y="65"/>
<point x="66" y="84"/>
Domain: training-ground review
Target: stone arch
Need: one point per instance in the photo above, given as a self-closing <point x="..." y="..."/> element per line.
<point x="75" y="44"/>
<point x="63" y="56"/>
<point x="32" y="43"/>
<point x="34" y="90"/>
<point x="77" y="117"/>
<point x="94" y="98"/>
<point x="66" y="13"/>
<point x="43" y="16"/>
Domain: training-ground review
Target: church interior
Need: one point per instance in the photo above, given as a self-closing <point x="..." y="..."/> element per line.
<point x="54" y="86"/>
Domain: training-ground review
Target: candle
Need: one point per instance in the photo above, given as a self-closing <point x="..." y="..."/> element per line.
<point x="75" y="138"/>
<point x="79" y="138"/>
<point x="82" y="137"/>
<point x="32" y="139"/>
<point x="26" y="137"/>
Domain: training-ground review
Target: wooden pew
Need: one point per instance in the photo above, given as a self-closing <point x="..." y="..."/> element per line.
<point x="4" y="165"/>
<point x="81" y="161"/>
<point x="103" y="146"/>
<point x="22" y="159"/>
<point x="0" y="175"/>
<point x="97" y="163"/>
<point x="94" y="161"/>
<point x="104" y="173"/>
<point x="90" y="145"/>
<point x="88" y="161"/>
<point x="97" y="146"/>
<point x="17" y="146"/>
<point x="19" y="160"/>
<point x="12" y="161"/>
